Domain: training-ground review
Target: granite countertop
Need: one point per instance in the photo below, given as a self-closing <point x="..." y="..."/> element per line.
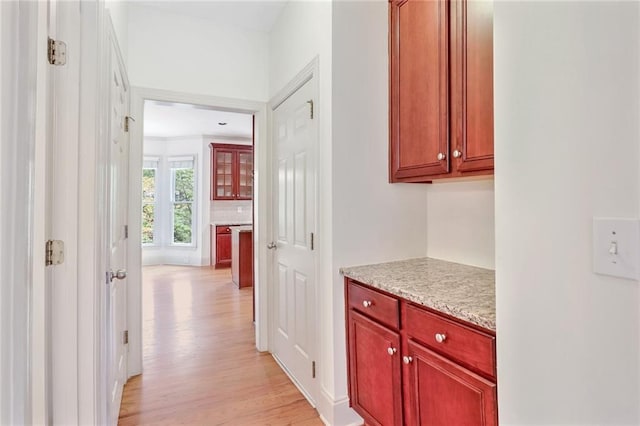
<point x="462" y="291"/>
<point x="230" y="222"/>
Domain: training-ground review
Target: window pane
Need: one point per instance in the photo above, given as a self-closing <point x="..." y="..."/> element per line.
<point x="148" y="185"/>
<point x="147" y="223"/>
<point x="183" y="185"/>
<point x="182" y="215"/>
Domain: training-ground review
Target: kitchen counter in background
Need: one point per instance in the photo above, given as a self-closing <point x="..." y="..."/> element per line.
<point x="229" y="223"/>
<point x="462" y="291"/>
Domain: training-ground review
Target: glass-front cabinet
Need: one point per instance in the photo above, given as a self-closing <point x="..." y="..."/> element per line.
<point x="232" y="172"/>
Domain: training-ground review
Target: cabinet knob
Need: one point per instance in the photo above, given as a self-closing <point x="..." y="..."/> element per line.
<point x="441" y="156"/>
<point x="441" y="337"/>
<point x="391" y="351"/>
<point x="367" y="303"/>
<point x="407" y="359"/>
<point x="457" y="154"/>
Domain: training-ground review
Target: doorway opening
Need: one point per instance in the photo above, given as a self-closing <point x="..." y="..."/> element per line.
<point x="175" y="208"/>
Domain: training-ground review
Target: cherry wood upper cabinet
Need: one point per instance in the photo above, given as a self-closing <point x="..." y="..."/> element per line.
<point x="419" y="88"/>
<point x="231" y="172"/>
<point x="441" y="89"/>
<point x="472" y="84"/>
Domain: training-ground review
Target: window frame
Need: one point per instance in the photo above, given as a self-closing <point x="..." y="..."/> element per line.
<point x="158" y="160"/>
<point x="194" y="206"/>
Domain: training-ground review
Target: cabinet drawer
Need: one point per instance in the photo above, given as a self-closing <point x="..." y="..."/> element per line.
<point x="223" y="229"/>
<point x="374" y="304"/>
<point x="464" y="344"/>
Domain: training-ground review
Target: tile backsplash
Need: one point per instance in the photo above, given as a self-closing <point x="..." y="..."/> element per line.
<point x="231" y="211"/>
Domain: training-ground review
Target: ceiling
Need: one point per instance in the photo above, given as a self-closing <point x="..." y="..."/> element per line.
<point x="164" y="119"/>
<point x="246" y="14"/>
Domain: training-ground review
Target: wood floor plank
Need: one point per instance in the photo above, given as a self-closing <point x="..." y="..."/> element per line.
<point x="200" y="363"/>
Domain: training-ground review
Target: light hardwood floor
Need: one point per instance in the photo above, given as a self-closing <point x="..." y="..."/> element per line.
<point x="200" y="362"/>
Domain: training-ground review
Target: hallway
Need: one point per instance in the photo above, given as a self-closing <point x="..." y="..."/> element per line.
<point x="200" y="363"/>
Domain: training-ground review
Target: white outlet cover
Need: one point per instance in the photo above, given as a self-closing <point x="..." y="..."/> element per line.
<point x="625" y="233"/>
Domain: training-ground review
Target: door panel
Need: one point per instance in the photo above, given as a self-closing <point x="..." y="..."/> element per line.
<point x="118" y="210"/>
<point x="295" y="140"/>
<point x="443" y="393"/>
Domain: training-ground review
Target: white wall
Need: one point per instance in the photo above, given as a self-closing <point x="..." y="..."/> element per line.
<point x="567" y="135"/>
<point x="189" y="55"/>
<point x="460" y="220"/>
<point x="373" y="221"/>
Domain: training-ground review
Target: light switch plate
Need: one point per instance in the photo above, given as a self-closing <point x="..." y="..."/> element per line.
<point x="616" y="247"/>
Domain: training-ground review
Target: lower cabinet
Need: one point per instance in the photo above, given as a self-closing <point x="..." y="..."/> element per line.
<point x="375" y="371"/>
<point x="223" y="246"/>
<point x="408" y="365"/>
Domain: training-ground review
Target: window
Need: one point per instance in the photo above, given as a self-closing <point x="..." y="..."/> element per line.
<point x="183" y="187"/>
<point x="149" y="189"/>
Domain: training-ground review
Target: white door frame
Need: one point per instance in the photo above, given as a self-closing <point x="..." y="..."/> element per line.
<point x="22" y="86"/>
<point x="310" y="73"/>
<point x="262" y="208"/>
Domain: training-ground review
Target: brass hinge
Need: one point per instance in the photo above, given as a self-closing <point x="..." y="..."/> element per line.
<point x="54" y="252"/>
<point x="310" y="102"/>
<point x="125" y="337"/>
<point x="57" y="52"/>
<point x="126" y="231"/>
<point x="127" y="123"/>
<point x="312" y="241"/>
<point x="313" y="369"/>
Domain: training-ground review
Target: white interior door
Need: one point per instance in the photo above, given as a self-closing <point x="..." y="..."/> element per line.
<point x="294" y="264"/>
<point x="118" y="196"/>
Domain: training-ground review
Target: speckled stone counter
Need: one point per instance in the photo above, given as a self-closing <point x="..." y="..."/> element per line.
<point x="462" y="291"/>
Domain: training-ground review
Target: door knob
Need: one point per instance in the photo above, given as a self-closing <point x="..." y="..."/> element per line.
<point x="441" y="156"/>
<point x="272" y="245"/>
<point x="120" y="274"/>
<point x="457" y="154"/>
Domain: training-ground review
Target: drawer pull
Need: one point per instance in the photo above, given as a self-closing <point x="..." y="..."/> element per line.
<point x="367" y="303"/>
<point x="407" y="359"/>
<point x="440" y="338"/>
<point x="391" y="351"/>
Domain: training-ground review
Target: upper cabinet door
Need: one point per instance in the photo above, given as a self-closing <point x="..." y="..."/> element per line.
<point x="419" y="94"/>
<point x="231" y="172"/>
<point x="245" y="175"/>
<point x="223" y="171"/>
<point x="472" y="85"/>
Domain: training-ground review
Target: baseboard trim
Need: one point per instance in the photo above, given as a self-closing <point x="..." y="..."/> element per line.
<point x="336" y="412"/>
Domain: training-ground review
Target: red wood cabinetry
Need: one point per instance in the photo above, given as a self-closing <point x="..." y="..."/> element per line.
<point x="441" y="89"/>
<point x="409" y="365"/>
<point x="223" y="246"/>
<point x="231" y="172"/>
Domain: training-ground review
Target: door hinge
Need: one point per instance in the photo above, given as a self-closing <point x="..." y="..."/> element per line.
<point x="54" y="254"/>
<point x="125" y="337"/>
<point x="312" y="241"/>
<point x="57" y="52"/>
<point x="126" y="231"/>
<point x="310" y="102"/>
<point x="313" y="369"/>
<point x="127" y="123"/>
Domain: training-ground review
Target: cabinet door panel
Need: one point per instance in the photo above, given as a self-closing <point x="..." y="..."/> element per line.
<point x="472" y="88"/>
<point x="223" y="174"/>
<point x="223" y="250"/>
<point x="375" y="381"/>
<point x="443" y="393"/>
<point x="419" y="88"/>
<point x="244" y="177"/>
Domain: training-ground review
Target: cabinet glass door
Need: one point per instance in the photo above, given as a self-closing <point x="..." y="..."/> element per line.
<point x="224" y="174"/>
<point x="245" y="175"/>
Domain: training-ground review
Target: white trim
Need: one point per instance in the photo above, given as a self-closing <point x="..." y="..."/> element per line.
<point x="309" y="73"/>
<point x="261" y="199"/>
<point x="18" y="100"/>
